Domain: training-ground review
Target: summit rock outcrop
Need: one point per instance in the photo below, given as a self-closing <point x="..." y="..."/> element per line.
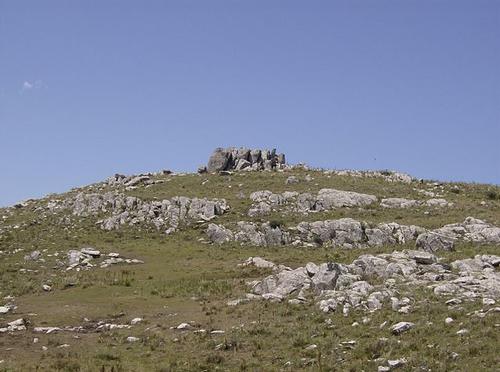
<point x="233" y="158"/>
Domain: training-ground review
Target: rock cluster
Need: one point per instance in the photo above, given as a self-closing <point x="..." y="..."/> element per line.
<point x="15" y="325"/>
<point x="472" y="230"/>
<point x="357" y="285"/>
<point x="87" y="258"/>
<point x="389" y="176"/>
<point x="266" y="201"/>
<point x="350" y="233"/>
<point x="129" y="210"/>
<point x="242" y="158"/>
<point x="88" y="326"/>
<point x="411" y="203"/>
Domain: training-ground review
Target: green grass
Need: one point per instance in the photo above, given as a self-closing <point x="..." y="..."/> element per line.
<point x="183" y="280"/>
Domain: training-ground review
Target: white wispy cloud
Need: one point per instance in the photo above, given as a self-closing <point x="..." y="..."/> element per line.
<point x="27" y="85"/>
<point x="31" y="85"/>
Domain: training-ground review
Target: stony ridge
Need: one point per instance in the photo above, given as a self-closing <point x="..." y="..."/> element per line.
<point x="121" y="209"/>
<point x="352" y="286"/>
<point x="349" y="233"/>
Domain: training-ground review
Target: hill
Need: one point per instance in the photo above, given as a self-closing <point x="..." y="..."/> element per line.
<point x="253" y="264"/>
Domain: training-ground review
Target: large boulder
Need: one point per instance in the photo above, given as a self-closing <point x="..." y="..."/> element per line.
<point x="433" y="241"/>
<point x="219" y="160"/>
<point x="219" y="234"/>
<point x="330" y="198"/>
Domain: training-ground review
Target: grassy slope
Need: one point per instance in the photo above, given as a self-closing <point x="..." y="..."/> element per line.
<point x="185" y="280"/>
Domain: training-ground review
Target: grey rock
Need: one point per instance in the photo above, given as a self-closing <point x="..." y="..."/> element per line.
<point x="259" y="262"/>
<point x="434" y="241"/>
<point x="398" y="203"/>
<point x="74" y="257"/>
<point x="90" y="252"/>
<point x="401" y="327"/>
<point x="220" y="160"/>
<point x="242" y="164"/>
<point x="292" y="180"/>
<point x="421" y="257"/>
<point x="282" y="284"/>
<point x="137" y="180"/>
<point x="437" y="203"/>
<point x="242" y="158"/>
<point x="219" y="234"/>
<point x="331" y="198"/>
<point x="326" y="276"/>
<point x="33" y="256"/>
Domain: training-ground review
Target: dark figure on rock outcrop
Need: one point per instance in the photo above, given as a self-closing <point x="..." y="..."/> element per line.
<point x="242" y="158"/>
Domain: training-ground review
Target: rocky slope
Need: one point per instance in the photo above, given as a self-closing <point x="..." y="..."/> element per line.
<point x="253" y="264"/>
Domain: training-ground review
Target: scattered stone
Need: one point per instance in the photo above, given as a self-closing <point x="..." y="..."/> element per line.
<point x="393" y="364"/>
<point x="448" y="320"/>
<point x="13" y="326"/>
<point x="133" y="339"/>
<point x="33" y="256"/>
<point x="136" y="321"/>
<point x="292" y="180"/>
<point x="311" y="347"/>
<point x="46" y="330"/>
<point x="462" y="332"/>
<point x="46" y="288"/>
<point x="184" y="326"/>
<point x="401" y="327"/>
<point x="453" y="301"/>
<point x="237" y="301"/>
<point x="488" y="301"/>
<point x="398" y="203"/>
<point x="258" y="262"/>
<point x="90" y="252"/>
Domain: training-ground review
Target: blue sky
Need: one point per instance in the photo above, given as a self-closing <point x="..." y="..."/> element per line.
<point x="91" y="88"/>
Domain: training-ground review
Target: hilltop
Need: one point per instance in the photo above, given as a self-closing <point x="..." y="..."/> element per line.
<point x="253" y="264"/>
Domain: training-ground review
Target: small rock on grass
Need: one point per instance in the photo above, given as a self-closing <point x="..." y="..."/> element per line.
<point x="401" y="327"/>
<point x="488" y="301"/>
<point x="183" y="326"/>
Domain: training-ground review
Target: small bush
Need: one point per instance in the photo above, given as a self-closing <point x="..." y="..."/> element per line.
<point x="492" y="195"/>
<point x="275" y="224"/>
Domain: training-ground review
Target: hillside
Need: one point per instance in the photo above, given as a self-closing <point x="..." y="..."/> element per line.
<point x="253" y="265"/>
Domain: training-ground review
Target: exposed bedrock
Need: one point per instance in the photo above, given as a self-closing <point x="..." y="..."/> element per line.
<point x="233" y="158"/>
<point x="350" y="233"/>
<point x="373" y="281"/>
